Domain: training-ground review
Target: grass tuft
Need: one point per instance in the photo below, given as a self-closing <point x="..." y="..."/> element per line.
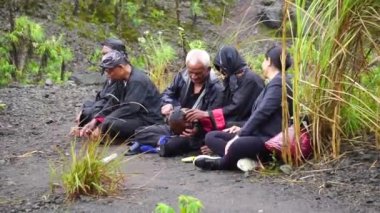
<point x="86" y="173"/>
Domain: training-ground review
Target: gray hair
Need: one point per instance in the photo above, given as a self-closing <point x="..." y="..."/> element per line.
<point x="198" y="56"/>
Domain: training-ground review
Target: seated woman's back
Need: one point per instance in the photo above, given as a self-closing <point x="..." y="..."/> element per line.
<point x="266" y="117"/>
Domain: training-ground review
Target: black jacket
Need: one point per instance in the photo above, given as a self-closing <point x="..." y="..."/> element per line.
<point x="106" y="97"/>
<point x="240" y="92"/>
<point x="136" y="98"/>
<point x="179" y="89"/>
<point x="266" y="118"/>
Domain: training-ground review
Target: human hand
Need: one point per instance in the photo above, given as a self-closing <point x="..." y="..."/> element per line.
<point x="75" y="131"/>
<point x="229" y="144"/>
<point x="95" y="134"/>
<point x="189" y="132"/>
<point x="195" y="114"/>
<point x="232" y="130"/>
<point x="77" y="118"/>
<point x="166" y="109"/>
<point x="88" y="128"/>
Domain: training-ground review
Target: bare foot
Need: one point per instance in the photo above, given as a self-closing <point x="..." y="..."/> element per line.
<point x="205" y="150"/>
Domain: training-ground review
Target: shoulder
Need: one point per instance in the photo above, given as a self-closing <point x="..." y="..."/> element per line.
<point x="183" y="75"/>
<point x="277" y="81"/>
<point x="253" y="77"/>
<point x="139" y="76"/>
<point x="215" y="82"/>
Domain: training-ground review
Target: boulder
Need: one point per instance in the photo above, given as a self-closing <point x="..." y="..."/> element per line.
<point x="87" y="78"/>
<point x="270" y="13"/>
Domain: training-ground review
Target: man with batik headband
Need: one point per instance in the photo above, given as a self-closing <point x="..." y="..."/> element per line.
<point x="138" y="100"/>
<point x="105" y="98"/>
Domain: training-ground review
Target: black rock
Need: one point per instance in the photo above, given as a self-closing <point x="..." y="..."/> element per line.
<point x="50" y="121"/>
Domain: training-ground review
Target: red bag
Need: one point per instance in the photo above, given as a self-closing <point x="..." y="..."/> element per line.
<point x="275" y="144"/>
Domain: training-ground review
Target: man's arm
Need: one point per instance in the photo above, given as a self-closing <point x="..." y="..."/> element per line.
<point x="134" y="99"/>
<point x="215" y="102"/>
<point x="241" y="98"/>
<point x="171" y="93"/>
<point x="110" y="100"/>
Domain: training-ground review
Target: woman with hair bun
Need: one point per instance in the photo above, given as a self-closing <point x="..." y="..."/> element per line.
<point x="265" y="122"/>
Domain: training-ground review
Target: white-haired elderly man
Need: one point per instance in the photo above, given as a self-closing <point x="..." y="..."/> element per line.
<point x="196" y="87"/>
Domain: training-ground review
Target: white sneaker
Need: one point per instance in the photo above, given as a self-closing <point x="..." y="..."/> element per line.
<point x="247" y="164"/>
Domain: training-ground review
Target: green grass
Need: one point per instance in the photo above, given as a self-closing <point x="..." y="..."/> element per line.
<point x="332" y="46"/>
<point x="84" y="172"/>
<point x="27" y="56"/>
<point x="158" y="55"/>
<point x="186" y="204"/>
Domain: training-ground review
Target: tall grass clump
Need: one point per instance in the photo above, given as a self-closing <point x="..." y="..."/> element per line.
<point x="333" y="43"/>
<point x="86" y="172"/>
<point x="158" y="55"/>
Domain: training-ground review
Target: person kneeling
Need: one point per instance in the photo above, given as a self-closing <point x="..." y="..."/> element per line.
<point x="138" y="100"/>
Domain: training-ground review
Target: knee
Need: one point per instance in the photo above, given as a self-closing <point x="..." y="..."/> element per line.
<point x="234" y="148"/>
<point x="210" y="137"/>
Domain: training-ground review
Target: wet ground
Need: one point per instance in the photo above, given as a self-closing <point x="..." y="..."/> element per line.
<point x="37" y="121"/>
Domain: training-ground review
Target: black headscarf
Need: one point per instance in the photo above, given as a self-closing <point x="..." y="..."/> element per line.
<point x="230" y="61"/>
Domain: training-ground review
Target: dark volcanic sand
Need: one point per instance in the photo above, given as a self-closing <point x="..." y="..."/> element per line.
<point x="39" y="119"/>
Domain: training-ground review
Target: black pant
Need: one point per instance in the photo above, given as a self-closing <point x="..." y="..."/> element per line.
<point x="149" y="135"/>
<point x="244" y="147"/>
<point x="178" y="145"/>
<point x="121" y="128"/>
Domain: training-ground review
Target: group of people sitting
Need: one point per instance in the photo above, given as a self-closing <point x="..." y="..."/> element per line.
<point x="223" y="118"/>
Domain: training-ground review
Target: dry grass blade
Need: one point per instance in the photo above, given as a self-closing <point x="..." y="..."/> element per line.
<point x="29" y="154"/>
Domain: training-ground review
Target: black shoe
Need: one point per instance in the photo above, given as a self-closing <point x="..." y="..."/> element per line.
<point x="207" y="162"/>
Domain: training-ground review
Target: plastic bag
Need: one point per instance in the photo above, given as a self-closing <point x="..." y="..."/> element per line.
<point x="275" y="144"/>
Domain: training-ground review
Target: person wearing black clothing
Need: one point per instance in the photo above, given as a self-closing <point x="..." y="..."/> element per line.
<point x="137" y="100"/>
<point x="105" y="98"/>
<point x="195" y="87"/>
<point x="264" y="123"/>
<point x="242" y="87"/>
